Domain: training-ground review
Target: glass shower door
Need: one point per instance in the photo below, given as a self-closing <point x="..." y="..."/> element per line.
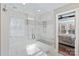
<point x="17" y="36"/>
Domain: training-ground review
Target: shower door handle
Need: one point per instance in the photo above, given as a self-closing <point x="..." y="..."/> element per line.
<point x="33" y="36"/>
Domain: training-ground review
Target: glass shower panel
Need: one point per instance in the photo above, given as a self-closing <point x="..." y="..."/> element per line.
<point x="31" y="29"/>
<point x="17" y="27"/>
<point x="17" y="38"/>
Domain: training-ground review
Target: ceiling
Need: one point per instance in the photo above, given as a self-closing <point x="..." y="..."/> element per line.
<point x="36" y="7"/>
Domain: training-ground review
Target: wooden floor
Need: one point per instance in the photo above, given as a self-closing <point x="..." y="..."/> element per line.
<point x="66" y="50"/>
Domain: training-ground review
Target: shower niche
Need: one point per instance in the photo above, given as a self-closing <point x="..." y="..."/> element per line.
<point x="66" y="33"/>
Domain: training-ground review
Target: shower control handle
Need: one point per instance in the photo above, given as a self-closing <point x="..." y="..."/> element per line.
<point x="33" y="36"/>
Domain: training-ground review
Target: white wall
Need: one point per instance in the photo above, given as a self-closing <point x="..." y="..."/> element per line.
<point x="0" y="28"/>
<point x="4" y="31"/>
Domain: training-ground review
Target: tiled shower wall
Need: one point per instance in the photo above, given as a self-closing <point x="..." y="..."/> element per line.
<point x="47" y="35"/>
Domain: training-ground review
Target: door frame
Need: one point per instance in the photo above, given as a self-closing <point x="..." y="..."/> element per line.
<point x="76" y="30"/>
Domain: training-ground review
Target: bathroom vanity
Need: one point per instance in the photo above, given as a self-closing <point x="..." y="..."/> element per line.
<point x="67" y="32"/>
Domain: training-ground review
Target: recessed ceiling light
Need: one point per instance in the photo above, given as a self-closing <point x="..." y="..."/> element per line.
<point x="23" y="3"/>
<point x="38" y="10"/>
